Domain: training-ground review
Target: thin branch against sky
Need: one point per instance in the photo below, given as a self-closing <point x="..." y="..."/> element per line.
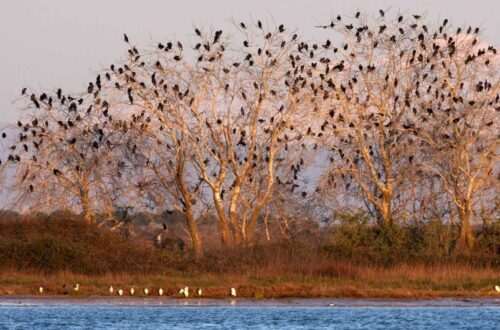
<point x="52" y="43"/>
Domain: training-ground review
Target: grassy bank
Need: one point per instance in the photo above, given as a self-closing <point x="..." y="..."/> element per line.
<point x="57" y="254"/>
<point x="402" y="281"/>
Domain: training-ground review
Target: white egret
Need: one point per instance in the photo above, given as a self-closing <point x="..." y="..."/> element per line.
<point x="120" y="292"/>
<point x="199" y="292"/>
<point x="497" y="288"/>
<point x="40" y="289"/>
<point x="132" y="291"/>
<point x="111" y="289"/>
<point x="146" y="291"/>
<point x="233" y="292"/>
<point x="184" y="292"/>
<point x="160" y="291"/>
<point x="76" y="287"/>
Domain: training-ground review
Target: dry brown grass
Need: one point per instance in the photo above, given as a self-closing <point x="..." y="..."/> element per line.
<point x="402" y="281"/>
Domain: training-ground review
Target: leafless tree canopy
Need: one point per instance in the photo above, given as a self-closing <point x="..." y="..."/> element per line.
<point x="391" y="116"/>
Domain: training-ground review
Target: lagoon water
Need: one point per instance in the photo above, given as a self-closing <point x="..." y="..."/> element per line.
<point x="22" y="313"/>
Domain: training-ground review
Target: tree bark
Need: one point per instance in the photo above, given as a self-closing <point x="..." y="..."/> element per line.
<point x="466" y="240"/>
<point x="193" y="233"/>
<point x="191" y="222"/>
<point x="386" y="209"/>
<point x="223" y="223"/>
<point x="87" y="213"/>
<point x="233" y="217"/>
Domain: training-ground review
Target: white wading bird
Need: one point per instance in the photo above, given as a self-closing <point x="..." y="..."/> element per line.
<point x="40" y="289"/>
<point x="160" y="291"/>
<point x="111" y="289"/>
<point x="497" y="288"/>
<point x="233" y="292"/>
<point x="76" y="287"/>
<point x="120" y="292"/>
<point x="132" y="291"/>
<point x="146" y="291"/>
<point x="199" y="292"/>
<point x="184" y="292"/>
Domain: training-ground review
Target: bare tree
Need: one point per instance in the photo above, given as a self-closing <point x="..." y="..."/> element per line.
<point x="402" y="94"/>
<point x="461" y="129"/>
<point x="370" y="88"/>
<point x="223" y="116"/>
<point x="62" y="149"/>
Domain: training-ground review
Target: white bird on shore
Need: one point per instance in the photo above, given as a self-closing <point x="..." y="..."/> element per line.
<point x="120" y="292"/>
<point x="497" y="288"/>
<point x="146" y="291"/>
<point x="184" y="292"/>
<point x="199" y="292"/>
<point x="77" y="287"/>
<point x="233" y="292"/>
<point x="160" y="291"/>
<point x="111" y="289"/>
<point x="40" y="289"/>
<point x="132" y="291"/>
<point x="331" y="305"/>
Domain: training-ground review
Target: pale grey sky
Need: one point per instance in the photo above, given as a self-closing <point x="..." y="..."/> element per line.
<point x="52" y="43"/>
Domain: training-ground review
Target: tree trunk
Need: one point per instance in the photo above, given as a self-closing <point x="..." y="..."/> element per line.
<point x="233" y="217"/>
<point x="87" y="213"/>
<point x="223" y="223"/>
<point x="466" y="240"/>
<point x="386" y="209"/>
<point x="266" y="224"/>
<point x="252" y="224"/>
<point x="251" y="228"/>
<point x="191" y="222"/>
<point x="193" y="233"/>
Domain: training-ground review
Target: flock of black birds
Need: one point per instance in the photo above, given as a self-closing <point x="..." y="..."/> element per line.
<point x="350" y="92"/>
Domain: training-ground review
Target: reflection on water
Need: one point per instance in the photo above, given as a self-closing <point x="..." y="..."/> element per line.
<point x="249" y="314"/>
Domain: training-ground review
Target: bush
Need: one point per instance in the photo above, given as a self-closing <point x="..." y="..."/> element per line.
<point x="355" y="238"/>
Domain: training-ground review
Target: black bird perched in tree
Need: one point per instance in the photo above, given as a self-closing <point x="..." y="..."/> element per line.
<point x="198" y="32"/>
<point x="382" y="13"/>
<point x="125" y="37"/>
<point x="217" y="36"/>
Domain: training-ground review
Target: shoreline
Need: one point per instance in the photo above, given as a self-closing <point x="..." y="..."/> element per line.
<point x="103" y="301"/>
<point x="379" y="295"/>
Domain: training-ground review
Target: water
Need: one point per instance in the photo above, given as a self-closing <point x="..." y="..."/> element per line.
<point x="244" y="314"/>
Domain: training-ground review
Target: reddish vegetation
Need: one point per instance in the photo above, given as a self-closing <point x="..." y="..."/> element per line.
<point x="57" y="253"/>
